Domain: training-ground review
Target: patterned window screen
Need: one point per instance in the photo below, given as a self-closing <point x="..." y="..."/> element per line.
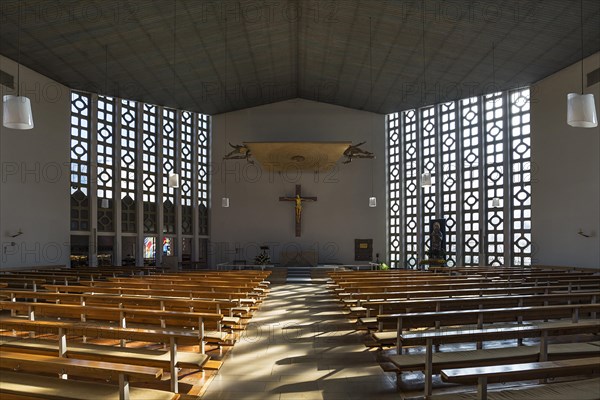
<point x="476" y="149"/>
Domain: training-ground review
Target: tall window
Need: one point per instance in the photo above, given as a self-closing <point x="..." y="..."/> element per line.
<point x="149" y="150"/>
<point x="169" y="135"/>
<point x="203" y="143"/>
<point x="105" y="149"/>
<point x="187" y="128"/>
<point x="128" y="159"/>
<point x="80" y="161"/>
<point x="476" y="150"/>
<point x="122" y="153"/>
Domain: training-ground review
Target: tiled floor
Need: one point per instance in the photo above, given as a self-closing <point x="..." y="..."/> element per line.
<point x="298" y="346"/>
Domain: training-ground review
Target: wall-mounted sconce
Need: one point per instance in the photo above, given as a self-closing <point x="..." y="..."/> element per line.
<point x="14" y="235"/>
<point x="587" y="235"/>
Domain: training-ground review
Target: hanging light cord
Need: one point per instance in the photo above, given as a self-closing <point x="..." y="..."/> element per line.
<point x="225" y="97"/>
<point x="370" y="58"/>
<point x="19" y="51"/>
<point x="174" y="41"/>
<point x="371" y="94"/>
<point x="423" y="44"/>
<point x="494" y="66"/>
<point x="581" y="20"/>
<point x="106" y="70"/>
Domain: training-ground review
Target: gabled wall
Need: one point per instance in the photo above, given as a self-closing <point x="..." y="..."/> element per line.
<point x="34" y="176"/>
<point x="329" y="226"/>
<point x="566" y="173"/>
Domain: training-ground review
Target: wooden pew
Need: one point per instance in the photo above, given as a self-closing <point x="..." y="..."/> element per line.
<point x="156" y="303"/>
<point x="25" y="283"/>
<point x="458" y="303"/>
<point x="22" y="362"/>
<point x="47" y="278"/>
<point x="237" y="290"/>
<point x="385" y="288"/>
<point x="479" y="317"/>
<point x="122" y="315"/>
<point x="404" y="293"/>
<point x="431" y="362"/>
<point x="191" y="294"/>
<point x="81" y="329"/>
<point x="525" y="371"/>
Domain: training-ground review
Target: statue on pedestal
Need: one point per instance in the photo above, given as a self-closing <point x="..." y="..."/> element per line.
<point x="436" y="253"/>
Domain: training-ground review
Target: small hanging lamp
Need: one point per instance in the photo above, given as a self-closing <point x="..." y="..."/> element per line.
<point x="426" y="179"/>
<point x="173" y="180"/>
<point x="17" y="109"/>
<point x="581" y="108"/>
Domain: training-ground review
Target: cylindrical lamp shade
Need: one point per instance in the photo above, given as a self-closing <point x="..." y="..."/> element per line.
<point x="495" y="202"/>
<point x="17" y="112"/>
<point x="225" y="202"/>
<point x="104" y="203"/>
<point x="426" y="179"/>
<point x="581" y="110"/>
<point x="372" y="202"/>
<point x="173" y="181"/>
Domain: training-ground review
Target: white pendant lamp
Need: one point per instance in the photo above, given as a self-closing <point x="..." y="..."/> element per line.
<point x="372" y="201"/>
<point x="17" y="112"/>
<point x="17" y="109"/>
<point x="495" y="202"/>
<point x="173" y="180"/>
<point x="426" y="179"/>
<point x="225" y="202"/>
<point x="581" y="108"/>
<point x="104" y="203"/>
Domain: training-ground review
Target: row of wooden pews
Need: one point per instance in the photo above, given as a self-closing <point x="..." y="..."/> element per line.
<point x="118" y="326"/>
<point x="424" y="315"/>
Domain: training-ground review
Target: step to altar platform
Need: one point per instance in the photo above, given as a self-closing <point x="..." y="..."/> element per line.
<point x="299" y="275"/>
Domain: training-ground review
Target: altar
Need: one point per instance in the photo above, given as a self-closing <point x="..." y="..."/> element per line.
<point x="299" y="258"/>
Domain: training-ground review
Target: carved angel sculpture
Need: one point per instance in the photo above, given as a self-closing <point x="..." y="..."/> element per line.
<point x="354" y="151"/>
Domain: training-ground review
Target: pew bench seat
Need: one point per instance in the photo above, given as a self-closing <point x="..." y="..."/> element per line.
<point x="138" y="356"/>
<point x="588" y="389"/>
<point x="37" y="386"/>
<point x="588" y="366"/>
<point x="389" y="337"/>
<point x="231" y="320"/>
<point x="458" y="359"/>
<point x="359" y="310"/>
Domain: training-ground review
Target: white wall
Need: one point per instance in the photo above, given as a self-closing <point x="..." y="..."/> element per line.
<point x="566" y="173"/>
<point x="329" y="226"/>
<point x="34" y="176"/>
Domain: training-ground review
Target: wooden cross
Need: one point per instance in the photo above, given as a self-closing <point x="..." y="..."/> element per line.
<point x="298" y="199"/>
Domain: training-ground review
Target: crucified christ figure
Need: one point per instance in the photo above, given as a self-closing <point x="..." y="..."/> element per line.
<point x="298" y="199"/>
<point x="298" y="207"/>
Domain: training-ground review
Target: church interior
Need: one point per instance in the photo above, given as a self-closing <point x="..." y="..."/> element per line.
<point x="300" y="199"/>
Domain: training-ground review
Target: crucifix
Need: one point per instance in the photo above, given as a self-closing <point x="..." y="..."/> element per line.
<point x="298" y="199"/>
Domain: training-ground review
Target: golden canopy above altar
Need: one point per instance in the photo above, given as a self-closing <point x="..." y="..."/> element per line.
<point x="301" y="156"/>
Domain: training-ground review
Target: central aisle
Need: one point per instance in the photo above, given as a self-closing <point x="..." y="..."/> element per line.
<point x="299" y="346"/>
